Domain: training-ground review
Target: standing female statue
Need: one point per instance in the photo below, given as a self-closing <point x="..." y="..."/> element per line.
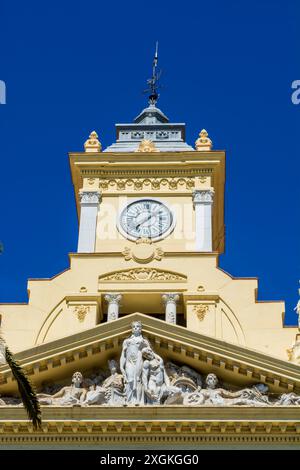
<point x="131" y="364"/>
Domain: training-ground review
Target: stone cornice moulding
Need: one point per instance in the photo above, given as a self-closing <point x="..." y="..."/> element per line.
<point x="156" y="425"/>
<point x="231" y="362"/>
<point x="169" y="254"/>
<point x="94" y="158"/>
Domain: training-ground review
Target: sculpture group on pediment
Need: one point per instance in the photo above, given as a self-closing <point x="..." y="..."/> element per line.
<point x="144" y="379"/>
<point x="73" y="394"/>
<point x="214" y="395"/>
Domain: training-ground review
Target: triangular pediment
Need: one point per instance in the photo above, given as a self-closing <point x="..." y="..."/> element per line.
<point x="91" y="349"/>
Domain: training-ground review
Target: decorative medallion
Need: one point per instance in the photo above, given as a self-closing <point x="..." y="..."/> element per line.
<point x="147" y="146"/>
<point x="143" y="252"/>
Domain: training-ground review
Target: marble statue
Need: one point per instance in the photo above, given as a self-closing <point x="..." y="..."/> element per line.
<point x="297" y="309"/>
<point x="111" y="390"/>
<point x="73" y="394"/>
<point x="287" y="399"/>
<point x="2" y="353"/>
<point x="211" y="395"/>
<point x="131" y="364"/>
<point x="155" y="382"/>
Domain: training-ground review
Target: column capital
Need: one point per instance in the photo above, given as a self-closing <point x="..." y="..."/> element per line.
<point x="89" y="197"/>
<point x="170" y="298"/>
<point x="203" y="196"/>
<point x="112" y="298"/>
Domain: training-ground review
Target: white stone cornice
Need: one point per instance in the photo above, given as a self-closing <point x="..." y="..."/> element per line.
<point x="165" y="425"/>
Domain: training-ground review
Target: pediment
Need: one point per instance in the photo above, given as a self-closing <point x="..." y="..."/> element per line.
<point x="91" y="349"/>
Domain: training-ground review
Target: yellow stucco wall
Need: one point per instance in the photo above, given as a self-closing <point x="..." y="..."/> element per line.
<point x="233" y="313"/>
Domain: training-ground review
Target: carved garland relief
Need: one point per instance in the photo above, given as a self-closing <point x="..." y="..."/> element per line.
<point x="142" y="274"/>
<point x="147" y="184"/>
<point x="81" y="311"/>
<point x="201" y="310"/>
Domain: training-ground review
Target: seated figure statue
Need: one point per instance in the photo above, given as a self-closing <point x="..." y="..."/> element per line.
<point x="73" y="394"/>
<point x="211" y="395"/>
<point x="156" y="385"/>
<point x="110" y="391"/>
<point x="287" y="399"/>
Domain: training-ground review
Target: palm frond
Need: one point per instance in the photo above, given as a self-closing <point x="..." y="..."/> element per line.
<point x="26" y="389"/>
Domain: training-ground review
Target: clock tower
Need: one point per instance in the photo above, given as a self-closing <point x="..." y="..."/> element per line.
<point x="150" y="184"/>
<point x="148" y="198"/>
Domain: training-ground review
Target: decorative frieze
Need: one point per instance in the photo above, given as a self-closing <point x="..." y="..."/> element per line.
<point x="147" y="184"/>
<point x="143" y="275"/>
<point x="154" y="432"/>
<point x="109" y="173"/>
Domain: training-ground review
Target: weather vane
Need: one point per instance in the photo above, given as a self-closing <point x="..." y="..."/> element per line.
<point x="153" y="81"/>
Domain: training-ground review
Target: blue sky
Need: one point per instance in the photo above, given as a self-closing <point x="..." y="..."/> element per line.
<point x="228" y="66"/>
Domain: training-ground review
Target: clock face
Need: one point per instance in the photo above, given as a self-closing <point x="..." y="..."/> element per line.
<point x="146" y="218"/>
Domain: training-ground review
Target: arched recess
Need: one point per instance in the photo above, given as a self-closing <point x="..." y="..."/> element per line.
<point x="231" y="328"/>
<point x="43" y="333"/>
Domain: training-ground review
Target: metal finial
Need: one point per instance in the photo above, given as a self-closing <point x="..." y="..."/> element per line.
<point x="153" y="81"/>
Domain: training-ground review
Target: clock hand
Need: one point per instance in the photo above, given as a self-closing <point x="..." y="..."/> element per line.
<point x="143" y="221"/>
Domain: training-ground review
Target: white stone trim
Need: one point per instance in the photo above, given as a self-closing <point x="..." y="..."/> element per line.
<point x="170" y="300"/>
<point x="203" y="203"/>
<point x="89" y="201"/>
<point x="113" y="301"/>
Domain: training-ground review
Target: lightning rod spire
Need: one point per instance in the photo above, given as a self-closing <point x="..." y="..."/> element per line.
<point x="153" y="81"/>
